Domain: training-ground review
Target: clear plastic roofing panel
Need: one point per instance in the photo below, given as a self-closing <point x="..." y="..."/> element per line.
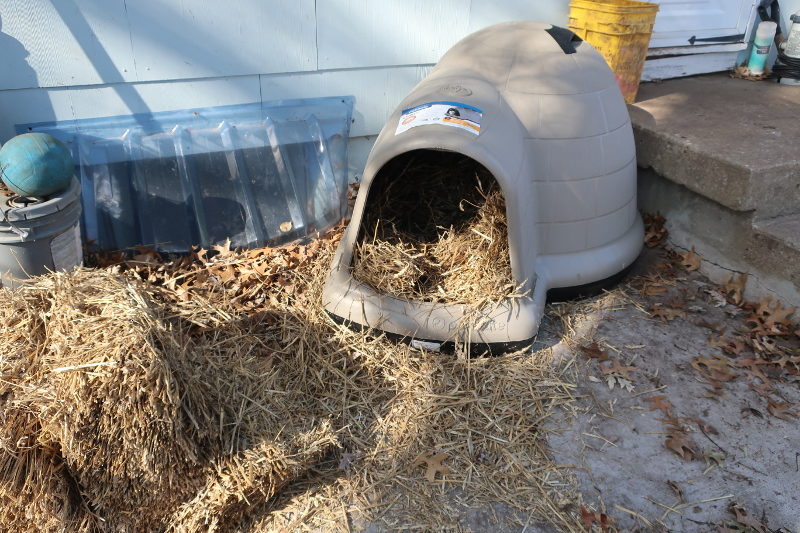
<point x="257" y="174"/>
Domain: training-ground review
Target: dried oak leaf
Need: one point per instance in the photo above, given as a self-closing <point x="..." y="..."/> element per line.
<point x="781" y="410"/>
<point x="751" y="366"/>
<point x="747" y="520"/>
<point x="715" y="368"/>
<point x="714" y="458"/>
<point x="690" y="260"/>
<point x="589" y="518"/>
<point x="787" y="362"/>
<point x="734" y="288"/>
<point x="715" y="327"/>
<point x="225" y="273"/>
<point x="595" y="352"/>
<point x="764" y="345"/>
<point x="618" y="370"/>
<point x="771" y="319"/>
<point x="679" y="443"/>
<point x="655" y="232"/>
<point x="666" y="314"/>
<point x="649" y="289"/>
<point x="433" y="462"/>
<point x="732" y="346"/>
<point x="658" y="403"/>
<point x="223" y="250"/>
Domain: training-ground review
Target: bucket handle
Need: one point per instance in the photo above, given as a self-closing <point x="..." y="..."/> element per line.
<point x="23" y="234"/>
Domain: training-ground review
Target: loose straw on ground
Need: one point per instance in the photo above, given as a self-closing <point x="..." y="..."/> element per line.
<point x="212" y="391"/>
<point x="435" y="230"/>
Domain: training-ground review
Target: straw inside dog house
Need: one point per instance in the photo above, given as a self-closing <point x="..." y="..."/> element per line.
<point x="541" y="112"/>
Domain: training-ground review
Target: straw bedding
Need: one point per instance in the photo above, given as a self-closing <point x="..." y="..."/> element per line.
<point x="435" y="230"/>
<point x="212" y="393"/>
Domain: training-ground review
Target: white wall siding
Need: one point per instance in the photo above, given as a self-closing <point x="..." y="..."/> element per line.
<point x="484" y="13"/>
<point x="73" y="59"/>
<point x="62" y="43"/>
<point x="211" y="38"/>
<point x="366" y="33"/>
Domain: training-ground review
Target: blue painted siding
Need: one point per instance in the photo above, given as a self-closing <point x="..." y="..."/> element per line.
<point x="70" y="59"/>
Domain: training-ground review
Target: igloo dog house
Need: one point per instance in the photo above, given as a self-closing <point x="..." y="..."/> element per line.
<point x="541" y="110"/>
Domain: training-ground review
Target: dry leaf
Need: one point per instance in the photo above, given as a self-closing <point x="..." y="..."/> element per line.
<point x="589" y="518"/>
<point x="652" y="290"/>
<point x="734" y="288"/>
<point x="434" y="464"/>
<point x="666" y="314"/>
<point x="765" y="345"/>
<point x="595" y="352"/>
<point x="714" y="368"/>
<point x="655" y="232"/>
<point x="781" y="410"/>
<point x="732" y="346"/>
<point x="286" y="226"/>
<point x="771" y="319"/>
<point x="745" y="519"/>
<point x="752" y="368"/>
<point x="690" y="260"/>
<point x="225" y="273"/>
<point x="679" y="443"/>
<point x="658" y="403"/>
<point x="613" y="379"/>
<point x="223" y="250"/>
<point x="714" y="458"/>
<point x="617" y="369"/>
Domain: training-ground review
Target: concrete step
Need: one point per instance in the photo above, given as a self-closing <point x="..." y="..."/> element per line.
<point x="784" y="230"/>
<point x="733" y="141"/>
<point x="730" y="241"/>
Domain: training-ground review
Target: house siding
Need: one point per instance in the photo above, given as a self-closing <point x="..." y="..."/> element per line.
<point x="75" y="59"/>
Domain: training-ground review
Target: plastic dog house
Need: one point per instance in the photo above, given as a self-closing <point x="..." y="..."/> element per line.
<point x="541" y="110"/>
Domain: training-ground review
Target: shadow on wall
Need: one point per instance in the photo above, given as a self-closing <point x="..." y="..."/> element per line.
<point x="14" y="59"/>
<point x="80" y="28"/>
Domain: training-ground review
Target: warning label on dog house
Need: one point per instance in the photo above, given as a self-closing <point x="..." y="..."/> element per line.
<point x="455" y="114"/>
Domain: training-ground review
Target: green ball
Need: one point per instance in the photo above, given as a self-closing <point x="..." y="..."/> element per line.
<point x="36" y="164"/>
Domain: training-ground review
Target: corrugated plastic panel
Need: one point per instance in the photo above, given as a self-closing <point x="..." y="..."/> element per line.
<point x="256" y="174"/>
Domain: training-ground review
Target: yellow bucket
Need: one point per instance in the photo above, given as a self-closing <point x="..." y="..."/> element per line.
<point x="620" y="30"/>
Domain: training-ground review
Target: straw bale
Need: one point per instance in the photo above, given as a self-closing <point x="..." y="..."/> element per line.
<point x="107" y="388"/>
<point x="238" y="482"/>
<point x="272" y="417"/>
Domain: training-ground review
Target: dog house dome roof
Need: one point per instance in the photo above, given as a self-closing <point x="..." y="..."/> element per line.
<point x="550" y="124"/>
<point x="529" y="57"/>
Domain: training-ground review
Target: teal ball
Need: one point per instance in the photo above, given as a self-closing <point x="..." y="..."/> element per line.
<point x="36" y="164"/>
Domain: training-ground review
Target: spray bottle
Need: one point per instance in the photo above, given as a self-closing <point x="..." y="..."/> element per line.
<point x="787" y="67"/>
<point x="761" y="46"/>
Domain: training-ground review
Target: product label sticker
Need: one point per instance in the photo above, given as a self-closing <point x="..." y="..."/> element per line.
<point x="455" y="114"/>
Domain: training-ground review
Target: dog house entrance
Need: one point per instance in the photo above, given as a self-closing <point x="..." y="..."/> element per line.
<point x="434" y="229"/>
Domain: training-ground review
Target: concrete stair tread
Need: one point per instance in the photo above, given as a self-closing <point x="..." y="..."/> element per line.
<point x="785" y="229"/>
<point x="732" y="141"/>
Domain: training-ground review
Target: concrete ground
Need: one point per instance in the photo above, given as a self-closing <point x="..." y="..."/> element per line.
<point x="736" y="450"/>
